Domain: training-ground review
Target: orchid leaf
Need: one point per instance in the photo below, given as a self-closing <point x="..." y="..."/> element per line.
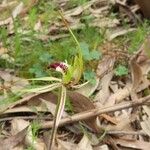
<point x="78" y="68"/>
<point x="67" y="77"/>
<point x="58" y="115"/>
<point x="43" y="88"/>
<point x="46" y="79"/>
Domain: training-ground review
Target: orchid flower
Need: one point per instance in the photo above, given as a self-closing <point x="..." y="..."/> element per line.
<point x="70" y="73"/>
<point x="61" y="67"/>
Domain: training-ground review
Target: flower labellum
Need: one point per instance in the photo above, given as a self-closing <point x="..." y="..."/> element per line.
<point x="59" y="66"/>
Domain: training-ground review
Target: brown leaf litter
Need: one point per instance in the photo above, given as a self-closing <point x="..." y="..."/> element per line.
<point x="110" y="120"/>
<point x="98" y="10"/>
<point x="114" y="114"/>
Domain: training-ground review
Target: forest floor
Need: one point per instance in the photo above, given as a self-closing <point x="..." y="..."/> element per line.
<point x="74" y="75"/>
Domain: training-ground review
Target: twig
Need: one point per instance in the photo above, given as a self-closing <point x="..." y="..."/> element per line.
<point x="25" y="117"/>
<point x="126" y="133"/>
<point x="95" y="112"/>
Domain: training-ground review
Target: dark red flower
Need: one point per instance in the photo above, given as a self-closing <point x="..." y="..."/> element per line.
<point x="59" y="66"/>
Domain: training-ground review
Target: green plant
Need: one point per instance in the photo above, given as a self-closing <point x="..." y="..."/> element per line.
<point x="68" y="106"/>
<point x="32" y="55"/>
<point x="102" y="136"/>
<point x="71" y="75"/>
<point x="38" y="69"/>
<point x="89" y="76"/>
<point x="87" y="54"/>
<point x="11" y="98"/>
<point x="121" y="70"/>
<point x="3" y="36"/>
<point x="74" y="3"/>
<point x="35" y="126"/>
<point x="32" y="17"/>
<point x="137" y="37"/>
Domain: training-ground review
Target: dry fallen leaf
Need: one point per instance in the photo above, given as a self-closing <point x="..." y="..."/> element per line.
<point x="118" y="32"/>
<point x="6" y="21"/>
<point x="105" y="65"/>
<point x="13" y="141"/>
<point x="104" y="92"/>
<point x="146" y="109"/>
<point x="78" y="10"/>
<point x="105" y="22"/>
<point x="20" y="124"/>
<point x="144" y="6"/>
<point x="88" y="89"/>
<point x="19" y="147"/>
<point x="102" y="147"/>
<point x="146" y="126"/>
<point x="136" y="73"/>
<point x="134" y="144"/>
<point x="17" y="10"/>
<point x="12" y="82"/>
<point x="143" y="52"/>
<point x="119" y="96"/>
<point x="81" y="103"/>
<point x="65" y="145"/>
<point x="147" y="47"/>
<point x="110" y="119"/>
<point x="3" y="51"/>
<point x="123" y="121"/>
<point x="140" y="66"/>
<point x="143" y="58"/>
<point x="84" y="144"/>
<point x="38" y="26"/>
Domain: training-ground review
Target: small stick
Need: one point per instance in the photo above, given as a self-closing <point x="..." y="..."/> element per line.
<point x="117" y="132"/>
<point x="95" y="112"/>
<point x="25" y="117"/>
